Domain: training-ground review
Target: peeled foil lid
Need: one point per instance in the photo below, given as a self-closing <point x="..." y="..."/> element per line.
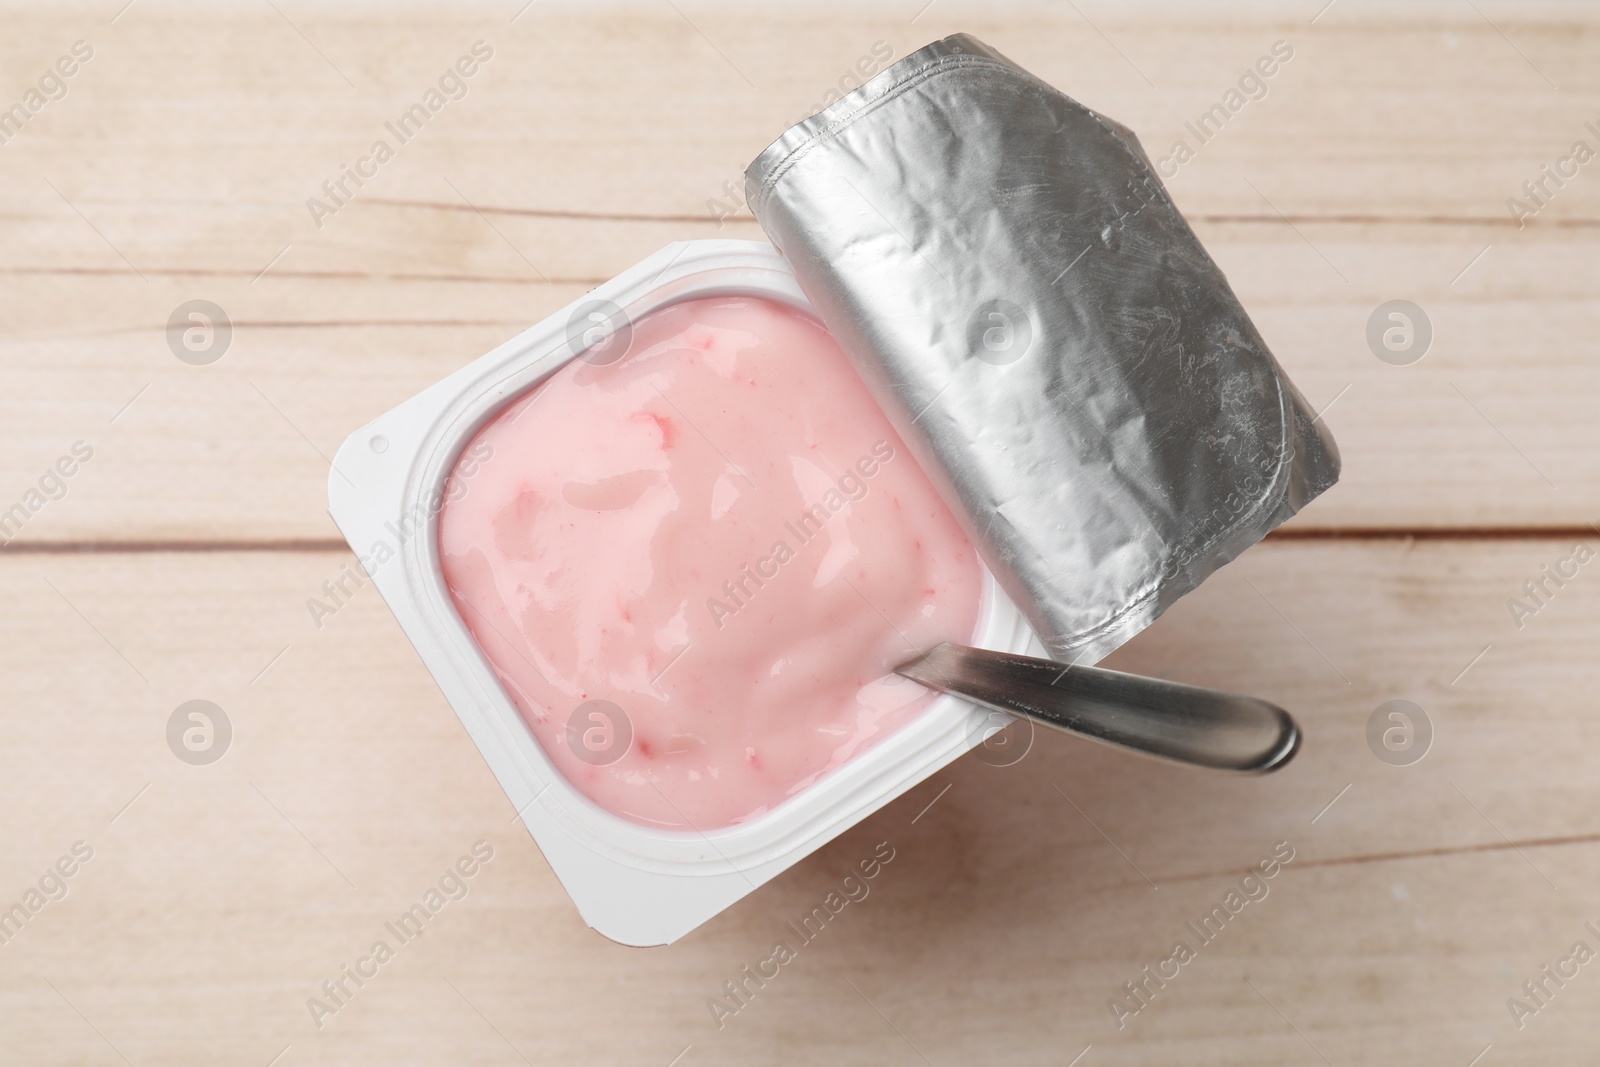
<point x="1046" y="333"/>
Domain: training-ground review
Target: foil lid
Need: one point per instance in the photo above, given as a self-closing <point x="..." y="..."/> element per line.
<point x="1046" y="333"/>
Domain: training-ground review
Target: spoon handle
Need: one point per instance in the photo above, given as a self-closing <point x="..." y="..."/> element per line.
<point x="1168" y="720"/>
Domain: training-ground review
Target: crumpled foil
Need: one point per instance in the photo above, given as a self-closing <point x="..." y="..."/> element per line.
<point x="1046" y="333"/>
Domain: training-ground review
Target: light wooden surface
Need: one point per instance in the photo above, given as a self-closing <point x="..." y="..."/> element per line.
<point x="179" y="562"/>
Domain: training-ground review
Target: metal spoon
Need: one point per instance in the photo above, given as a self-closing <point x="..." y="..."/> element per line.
<point x="1168" y="720"/>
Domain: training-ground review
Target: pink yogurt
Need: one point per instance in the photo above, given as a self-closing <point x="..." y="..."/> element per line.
<point x="692" y="568"/>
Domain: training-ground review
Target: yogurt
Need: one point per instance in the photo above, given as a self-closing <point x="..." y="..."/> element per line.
<point x="693" y="566"/>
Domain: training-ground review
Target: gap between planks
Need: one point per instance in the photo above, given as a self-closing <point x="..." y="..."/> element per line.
<point x="334" y="544"/>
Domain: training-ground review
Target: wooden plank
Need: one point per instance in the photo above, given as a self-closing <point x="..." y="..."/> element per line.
<point x="1491" y="428"/>
<point x="218" y="900"/>
<point x="573" y="106"/>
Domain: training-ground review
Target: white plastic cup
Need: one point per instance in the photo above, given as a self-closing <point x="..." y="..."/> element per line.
<point x="634" y="884"/>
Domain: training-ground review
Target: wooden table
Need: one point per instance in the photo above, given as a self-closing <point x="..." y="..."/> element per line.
<point x="178" y="564"/>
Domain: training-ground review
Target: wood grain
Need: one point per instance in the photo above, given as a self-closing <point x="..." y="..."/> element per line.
<point x="1356" y="180"/>
<point x="179" y="561"/>
<point x="225" y="894"/>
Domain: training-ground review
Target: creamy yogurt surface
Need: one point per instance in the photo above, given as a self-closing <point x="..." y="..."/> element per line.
<point x="693" y="565"/>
